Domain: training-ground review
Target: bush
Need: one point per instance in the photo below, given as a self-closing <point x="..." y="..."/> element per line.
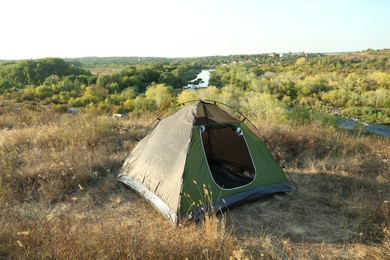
<point x="300" y="115"/>
<point x="260" y="107"/>
<point x="142" y="104"/>
<point x="161" y="94"/>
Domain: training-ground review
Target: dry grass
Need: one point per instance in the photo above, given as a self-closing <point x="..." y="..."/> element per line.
<point x="124" y="226"/>
<point x="59" y="197"/>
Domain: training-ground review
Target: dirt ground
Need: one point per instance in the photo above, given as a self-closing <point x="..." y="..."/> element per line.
<point x="296" y="216"/>
<point x="303" y="221"/>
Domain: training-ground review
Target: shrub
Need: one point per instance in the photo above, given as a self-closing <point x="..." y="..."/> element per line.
<point x="301" y="115"/>
<point x="263" y="107"/>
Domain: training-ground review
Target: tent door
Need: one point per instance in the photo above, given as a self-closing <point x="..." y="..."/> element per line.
<point x="228" y="157"/>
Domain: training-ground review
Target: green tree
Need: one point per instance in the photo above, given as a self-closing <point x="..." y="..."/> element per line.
<point x="28" y="93"/>
<point x="209" y="93"/>
<point x="143" y="104"/>
<point x="128" y="93"/>
<point x="161" y="94"/>
<point x="113" y="88"/>
<point x="104" y="80"/>
<point x="187" y="95"/>
<point x="43" y="91"/>
<point x="4" y="85"/>
<point x="75" y="102"/>
<point x="260" y="107"/>
<point x="168" y="78"/>
<point x="94" y="94"/>
<point x="51" y="80"/>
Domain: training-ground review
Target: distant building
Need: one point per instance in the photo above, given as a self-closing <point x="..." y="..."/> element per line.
<point x="281" y="55"/>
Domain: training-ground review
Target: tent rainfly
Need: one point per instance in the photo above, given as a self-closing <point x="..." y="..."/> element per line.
<point x="201" y="158"/>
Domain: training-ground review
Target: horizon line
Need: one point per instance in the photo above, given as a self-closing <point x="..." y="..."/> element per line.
<point x="196" y="57"/>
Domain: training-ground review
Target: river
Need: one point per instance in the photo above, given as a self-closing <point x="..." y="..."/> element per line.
<point x="204" y="76"/>
<point x="383" y="130"/>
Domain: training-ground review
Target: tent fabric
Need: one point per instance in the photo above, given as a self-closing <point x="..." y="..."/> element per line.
<point x="158" y="160"/>
<point x="201" y="157"/>
<point x="208" y="113"/>
<point x="199" y="186"/>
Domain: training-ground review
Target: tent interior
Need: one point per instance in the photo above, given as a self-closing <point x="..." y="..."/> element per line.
<point x="228" y="157"/>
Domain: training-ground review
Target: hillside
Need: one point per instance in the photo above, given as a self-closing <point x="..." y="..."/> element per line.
<point x="59" y="196"/>
<point x="356" y="85"/>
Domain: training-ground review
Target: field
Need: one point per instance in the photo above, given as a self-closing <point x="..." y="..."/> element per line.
<point x="59" y="197"/>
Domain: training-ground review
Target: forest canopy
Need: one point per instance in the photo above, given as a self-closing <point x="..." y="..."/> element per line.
<point x="351" y="84"/>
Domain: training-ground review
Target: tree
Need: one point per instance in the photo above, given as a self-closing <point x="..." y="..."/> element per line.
<point x="260" y="106"/>
<point x="94" y="94"/>
<point x="209" y="93"/>
<point x="113" y="88"/>
<point x="51" y="80"/>
<point x="4" y="85"/>
<point x="161" y="94"/>
<point x="75" y="102"/>
<point x="43" y="91"/>
<point x="169" y="79"/>
<point x="301" y="61"/>
<point x="231" y="95"/>
<point x="104" y="80"/>
<point x="187" y="95"/>
<point x="28" y="93"/>
<point x="128" y="93"/>
<point x="143" y="104"/>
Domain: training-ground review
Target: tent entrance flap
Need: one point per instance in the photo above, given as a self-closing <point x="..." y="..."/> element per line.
<point x="228" y="157"/>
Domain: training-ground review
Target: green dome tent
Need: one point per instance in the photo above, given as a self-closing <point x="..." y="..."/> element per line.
<point x="201" y="158"/>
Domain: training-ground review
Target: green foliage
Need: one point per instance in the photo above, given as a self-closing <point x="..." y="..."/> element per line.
<point x="368" y="114"/>
<point x="139" y="77"/>
<point x="52" y="80"/>
<point x="28" y="94"/>
<point x="75" y="102"/>
<point x="94" y="94"/>
<point x="51" y="84"/>
<point x="318" y="82"/>
<point x="161" y="94"/>
<point x="301" y="116"/>
<point x="106" y="81"/>
<point x="43" y="91"/>
<point x="263" y="107"/>
<point x="357" y="84"/>
<point x="142" y="104"/>
<point x="187" y="95"/>
<point x="35" y="72"/>
<point x="5" y="85"/>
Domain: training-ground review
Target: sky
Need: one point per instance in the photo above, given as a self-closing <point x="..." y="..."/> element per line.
<point x="33" y="29"/>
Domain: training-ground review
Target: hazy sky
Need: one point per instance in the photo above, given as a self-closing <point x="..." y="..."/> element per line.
<point x="187" y="28"/>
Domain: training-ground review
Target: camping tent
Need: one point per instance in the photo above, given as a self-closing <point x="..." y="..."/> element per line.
<point x="200" y="158"/>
